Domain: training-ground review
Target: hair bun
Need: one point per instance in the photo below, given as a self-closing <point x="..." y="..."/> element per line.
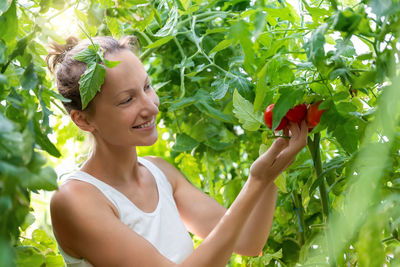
<point x="70" y="43"/>
<point x="58" y="52"/>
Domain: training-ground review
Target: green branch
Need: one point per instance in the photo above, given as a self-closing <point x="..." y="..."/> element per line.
<point x="298" y="207"/>
<point x="314" y="148"/>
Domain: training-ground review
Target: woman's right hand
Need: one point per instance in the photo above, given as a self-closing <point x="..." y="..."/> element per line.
<point x="281" y="154"/>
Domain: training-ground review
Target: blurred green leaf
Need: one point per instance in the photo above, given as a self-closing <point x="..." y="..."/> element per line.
<point x="244" y="111"/>
<point x="160" y="42"/>
<point x="9" y="22"/>
<point x="29" y="79"/>
<point x="184" y="143"/>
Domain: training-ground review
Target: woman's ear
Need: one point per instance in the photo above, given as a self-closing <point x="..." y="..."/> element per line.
<point x="80" y="118"/>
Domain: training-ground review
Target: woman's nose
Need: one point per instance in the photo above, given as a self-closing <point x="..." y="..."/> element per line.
<point x="150" y="104"/>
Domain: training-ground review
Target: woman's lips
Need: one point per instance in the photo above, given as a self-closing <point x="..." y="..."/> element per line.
<point x="147" y="125"/>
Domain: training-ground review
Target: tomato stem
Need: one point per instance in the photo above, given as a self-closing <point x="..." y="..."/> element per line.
<point x="314" y="147"/>
<point x="298" y="207"/>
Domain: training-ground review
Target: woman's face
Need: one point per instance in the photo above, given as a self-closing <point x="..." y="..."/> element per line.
<point x="127" y="106"/>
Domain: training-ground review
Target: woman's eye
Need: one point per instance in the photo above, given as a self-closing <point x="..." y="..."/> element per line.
<point x="126" y="101"/>
<point x="147" y="87"/>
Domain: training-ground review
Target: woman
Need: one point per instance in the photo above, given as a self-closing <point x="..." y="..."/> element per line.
<point x="123" y="210"/>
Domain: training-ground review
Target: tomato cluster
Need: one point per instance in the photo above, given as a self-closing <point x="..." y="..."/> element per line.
<point x="310" y="113"/>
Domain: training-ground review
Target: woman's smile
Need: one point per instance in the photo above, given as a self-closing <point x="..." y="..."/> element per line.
<point x="146" y="126"/>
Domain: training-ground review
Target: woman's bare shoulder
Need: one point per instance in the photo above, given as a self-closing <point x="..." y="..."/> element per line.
<point x="73" y="202"/>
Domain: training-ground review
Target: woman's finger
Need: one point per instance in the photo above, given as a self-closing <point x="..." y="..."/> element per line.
<point x="294" y="129"/>
<point x="277" y="147"/>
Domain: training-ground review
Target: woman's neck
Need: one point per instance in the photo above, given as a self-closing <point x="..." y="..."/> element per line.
<point x="113" y="164"/>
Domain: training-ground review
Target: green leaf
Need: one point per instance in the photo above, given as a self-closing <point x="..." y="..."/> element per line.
<point x="137" y="2"/>
<point x="29" y="256"/>
<point x="244" y="111"/>
<point x="221" y="89"/>
<point x="187" y="101"/>
<point x="160" y="42"/>
<point x="115" y="27"/>
<point x="315" y="46"/>
<point x="346" y="20"/>
<point x="280" y="182"/>
<point x="7" y="253"/>
<point x="5" y="124"/>
<point x="111" y="64"/>
<point x="382" y="7"/>
<point x="215" y="144"/>
<point x="3" y="51"/>
<point x="346" y="107"/>
<point x="220" y="46"/>
<point x="20" y="49"/>
<point x="347" y="135"/>
<point x="370" y="236"/>
<point x="9" y="23"/>
<point x="341" y="96"/>
<point x="170" y="26"/>
<point x="54" y="261"/>
<point x="156" y="15"/>
<point x="46" y="180"/>
<point x="184" y="143"/>
<point x="340" y="72"/>
<point x="189" y="166"/>
<point x="80" y="15"/>
<point x="44" y="5"/>
<point x="43" y="141"/>
<point x="90" y="82"/>
<point x="5" y="204"/>
<point x="206" y="108"/>
<point x="365" y="79"/>
<point x="285" y="74"/>
<point x="239" y="32"/>
<point x="40" y="236"/>
<point x="261" y="88"/>
<point x="242" y="85"/>
<point x="3" y="5"/>
<point x="289" y="97"/>
<point x="29" y="79"/>
<point x="88" y="55"/>
<point x="215" y="30"/>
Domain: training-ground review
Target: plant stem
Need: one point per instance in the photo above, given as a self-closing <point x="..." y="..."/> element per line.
<point x="298" y="207"/>
<point x="314" y="147"/>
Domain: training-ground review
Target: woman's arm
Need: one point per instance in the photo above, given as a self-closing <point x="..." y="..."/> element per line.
<point x="201" y="213"/>
<point x="258" y="225"/>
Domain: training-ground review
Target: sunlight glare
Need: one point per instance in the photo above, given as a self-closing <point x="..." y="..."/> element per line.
<point x="65" y="23"/>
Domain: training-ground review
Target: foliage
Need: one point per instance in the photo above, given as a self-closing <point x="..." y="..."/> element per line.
<point x="216" y="65"/>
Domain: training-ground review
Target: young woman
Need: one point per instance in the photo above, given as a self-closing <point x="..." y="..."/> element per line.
<point x="123" y="210"/>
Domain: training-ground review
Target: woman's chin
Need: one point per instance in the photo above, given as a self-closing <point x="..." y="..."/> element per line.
<point x="150" y="141"/>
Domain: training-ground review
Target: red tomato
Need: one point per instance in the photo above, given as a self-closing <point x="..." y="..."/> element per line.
<point x="268" y="119"/>
<point x="297" y="114"/>
<point x="314" y="115"/>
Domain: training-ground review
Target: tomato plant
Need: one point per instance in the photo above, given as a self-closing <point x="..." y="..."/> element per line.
<point x="216" y="65"/>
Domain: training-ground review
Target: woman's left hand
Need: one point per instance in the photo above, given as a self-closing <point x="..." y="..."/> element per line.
<point x="281" y="154"/>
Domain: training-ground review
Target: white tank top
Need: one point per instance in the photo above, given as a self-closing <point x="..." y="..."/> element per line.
<point x="163" y="227"/>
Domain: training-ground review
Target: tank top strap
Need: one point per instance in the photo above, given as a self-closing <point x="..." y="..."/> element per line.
<point x="158" y="174"/>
